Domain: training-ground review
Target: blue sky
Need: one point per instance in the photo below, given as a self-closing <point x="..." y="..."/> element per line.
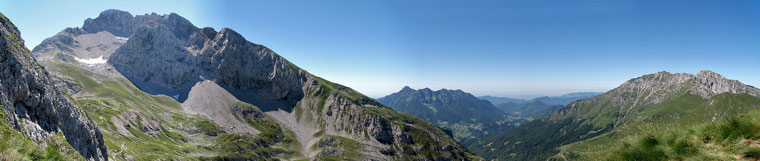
<point x="515" y="48"/>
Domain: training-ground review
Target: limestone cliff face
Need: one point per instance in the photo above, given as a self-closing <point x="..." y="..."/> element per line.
<point x="157" y="61"/>
<point x="153" y="50"/>
<point x="116" y="22"/>
<point x="34" y="106"/>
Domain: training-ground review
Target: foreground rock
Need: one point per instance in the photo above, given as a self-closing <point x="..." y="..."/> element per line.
<point x="37" y="108"/>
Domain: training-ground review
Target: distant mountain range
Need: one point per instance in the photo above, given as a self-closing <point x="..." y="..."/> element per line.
<point x="537" y="107"/>
<point x="659" y="116"/>
<point x="466" y="115"/>
<point x="499" y="100"/>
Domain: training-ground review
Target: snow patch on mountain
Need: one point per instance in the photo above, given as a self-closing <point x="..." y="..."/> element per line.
<point x="122" y="39"/>
<point x="93" y="61"/>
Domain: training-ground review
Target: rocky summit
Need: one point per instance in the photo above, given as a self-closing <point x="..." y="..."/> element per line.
<point x="163" y="88"/>
<point x="36" y="109"/>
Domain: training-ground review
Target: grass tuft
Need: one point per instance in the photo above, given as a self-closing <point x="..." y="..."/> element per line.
<point x="753" y="153"/>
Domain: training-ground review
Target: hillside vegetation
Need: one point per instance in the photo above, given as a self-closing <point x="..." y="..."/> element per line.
<point x="641" y="107"/>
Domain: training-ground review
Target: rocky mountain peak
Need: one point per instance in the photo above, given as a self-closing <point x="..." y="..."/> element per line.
<point x="406" y="89"/>
<point x="208" y="32"/>
<point x="663" y="73"/>
<point x="230" y="35"/>
<point x="182" y="27"/>
<point x="706" y="76"/>
<point x="716" y="84"/>
<point x="123" y="24"/>
<point x="119" y="23"/>
<point x="707" y="72"/>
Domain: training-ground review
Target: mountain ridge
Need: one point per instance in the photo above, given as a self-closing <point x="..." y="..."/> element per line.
<point x="467" y="116"/>
<point x="627" y="104"/>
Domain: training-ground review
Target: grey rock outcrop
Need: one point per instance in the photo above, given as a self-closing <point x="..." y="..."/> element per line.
<point x="716" y="84"/>
<point x="117" y="22"/>
<point x="34" y="105"/>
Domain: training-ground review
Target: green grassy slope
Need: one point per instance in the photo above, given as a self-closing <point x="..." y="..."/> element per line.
<point x="675" y="126"/>
<point x="680" y="123"/>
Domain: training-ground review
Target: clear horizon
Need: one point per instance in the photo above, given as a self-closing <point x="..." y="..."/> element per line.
<point x="514" y="48"/>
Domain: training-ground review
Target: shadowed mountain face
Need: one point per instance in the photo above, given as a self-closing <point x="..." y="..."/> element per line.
<point x="232" y="99"/>
<point x="466" y="115"/>
<point x="660" y="99"/>
<point x="31" y="105"/>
